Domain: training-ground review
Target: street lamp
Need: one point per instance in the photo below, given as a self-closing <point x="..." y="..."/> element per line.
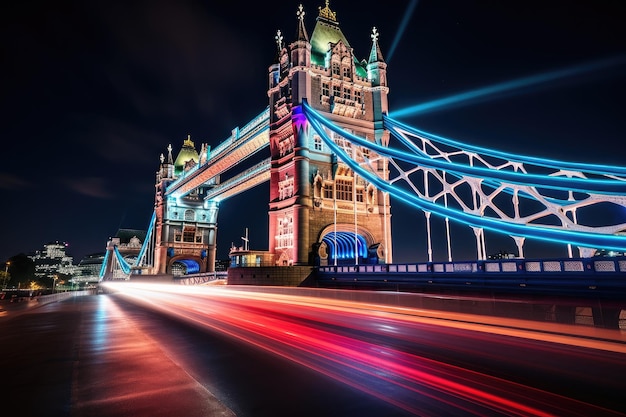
<point x="54" y="281"/>
<point x="6" y="273"/>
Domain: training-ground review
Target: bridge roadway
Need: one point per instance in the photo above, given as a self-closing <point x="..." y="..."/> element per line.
<point x="89" y="356"/>
<point x="69" y="359"/>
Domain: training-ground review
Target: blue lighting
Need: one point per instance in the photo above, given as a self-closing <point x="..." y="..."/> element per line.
<point x="583" y="185"/>
<point x="392" y="125"/>
<point x="566" y="236"/>
<point x="403" y="25"/>
<point x="520" y="85"/>
<point x="191" y="266"/>
<point x="345" y="242"/>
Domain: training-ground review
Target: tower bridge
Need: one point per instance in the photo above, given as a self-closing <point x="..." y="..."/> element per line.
<point x="335" y="162"/>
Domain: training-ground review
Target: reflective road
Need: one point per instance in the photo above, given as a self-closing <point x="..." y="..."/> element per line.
<point x="286" y="354"/>
<point x="150" y="350"/>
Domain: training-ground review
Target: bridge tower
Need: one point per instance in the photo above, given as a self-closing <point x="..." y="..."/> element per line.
<point x="185" y="227"/>
<point x="320" y="212"/>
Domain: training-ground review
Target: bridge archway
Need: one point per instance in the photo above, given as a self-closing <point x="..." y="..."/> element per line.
<point x="184" y="266"/>
<point x="346" y="244"/>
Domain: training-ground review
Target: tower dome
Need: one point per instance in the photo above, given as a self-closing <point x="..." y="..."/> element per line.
<point x="187" y="156"/>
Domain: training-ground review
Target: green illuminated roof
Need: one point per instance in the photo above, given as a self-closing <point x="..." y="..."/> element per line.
<point x="187" y="153"/>
<point x="327" y="31"/>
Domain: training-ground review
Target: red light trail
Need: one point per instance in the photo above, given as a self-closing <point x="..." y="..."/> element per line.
<point x="387" y="351"/>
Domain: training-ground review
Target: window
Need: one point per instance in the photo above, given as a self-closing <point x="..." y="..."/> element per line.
<point x="325" y="89"/>
<point x="357" y="96"/>
<point x="285" y="188"/>
<point x="344" y="189"/>
<point x="190" y="215"/>
<point x="328" y="190"/>
<point x="336" y="91"/>
<point x="346" y="72"/>
<point x="189" y="234"/>
<point x="318" y="145"/>
<point x="335" y="68"/>
<point x="285" y="232"/>
<point x="359" y="195"/>
<point x="346" y="93"/>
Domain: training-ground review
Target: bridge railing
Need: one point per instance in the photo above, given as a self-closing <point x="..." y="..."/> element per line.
<point x="512" y="266"/>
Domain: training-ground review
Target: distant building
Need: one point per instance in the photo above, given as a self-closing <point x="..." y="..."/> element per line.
<point x="52" y="260"/>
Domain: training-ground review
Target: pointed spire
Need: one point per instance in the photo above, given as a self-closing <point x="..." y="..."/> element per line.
<point x="279" y="40"/>
<point x="375" y="54"/>
<point x="301" y="35"/>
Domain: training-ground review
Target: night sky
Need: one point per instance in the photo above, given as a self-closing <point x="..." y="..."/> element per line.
<point x="93" y="92"/>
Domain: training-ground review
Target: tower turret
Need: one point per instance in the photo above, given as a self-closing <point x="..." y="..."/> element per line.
<point x="317" y="203"/>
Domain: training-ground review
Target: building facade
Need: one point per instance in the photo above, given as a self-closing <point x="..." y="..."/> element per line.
<point x="320" y="212"/>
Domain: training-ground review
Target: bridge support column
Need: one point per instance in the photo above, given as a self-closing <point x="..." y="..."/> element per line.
<point x="213" y="207"/>
<point x="480" y="243"/>
<point x="211" y="250"/>
<point x="519" y="241"/>
<point x="430" y="244"/>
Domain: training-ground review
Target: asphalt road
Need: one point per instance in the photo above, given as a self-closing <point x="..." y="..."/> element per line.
<point x="157" y="353"/>
<point x="80" y="357"/>
<point x="99" y="355"/>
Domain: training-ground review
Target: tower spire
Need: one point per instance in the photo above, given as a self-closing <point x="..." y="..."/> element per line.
<point x="301" y="35"/>
<point x="375" y="54"/>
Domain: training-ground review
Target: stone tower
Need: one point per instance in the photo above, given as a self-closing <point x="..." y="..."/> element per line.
<point x="320" y="212"/>
<point x="185" y="228"/>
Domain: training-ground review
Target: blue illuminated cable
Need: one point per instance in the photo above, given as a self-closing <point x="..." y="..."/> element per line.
<point x="585" y="185"/>
<point x="104" y="265"/>
<point x="123" y="264"/>
<point x="553" y="234"/>
<point x="391" y="125"/>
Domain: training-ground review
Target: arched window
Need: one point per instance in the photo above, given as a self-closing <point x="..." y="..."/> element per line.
<point x="317" y="143"/>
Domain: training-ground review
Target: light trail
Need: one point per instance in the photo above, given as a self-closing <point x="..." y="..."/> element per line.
<point x="298" y="328"/>
<point x="519" y="86"/>
<point x="402" y="28"/>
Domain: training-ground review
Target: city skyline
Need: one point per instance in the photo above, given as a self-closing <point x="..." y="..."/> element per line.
<point x="98" y="92"/>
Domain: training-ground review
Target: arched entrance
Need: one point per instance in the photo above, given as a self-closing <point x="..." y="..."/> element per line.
<point x="342" y="244"/>
<point x="346" y="247"/>
<point x="182" y="267"/>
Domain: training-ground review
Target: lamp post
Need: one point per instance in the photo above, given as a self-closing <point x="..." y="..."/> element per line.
<point x="54" y="281"/>
<point x="6" y="273"/>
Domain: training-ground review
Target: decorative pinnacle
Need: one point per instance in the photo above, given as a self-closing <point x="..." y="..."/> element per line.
<point x="279" y="39"/>
<point x="375" y="34"/>
<point x="327" y="13"/>
<point x="300" y="12"/>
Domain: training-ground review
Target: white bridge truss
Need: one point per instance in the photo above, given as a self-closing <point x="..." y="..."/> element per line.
<point x="517" y="195"/>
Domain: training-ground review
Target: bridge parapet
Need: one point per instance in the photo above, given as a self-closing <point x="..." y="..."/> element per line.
<point x="602" y="278"/>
